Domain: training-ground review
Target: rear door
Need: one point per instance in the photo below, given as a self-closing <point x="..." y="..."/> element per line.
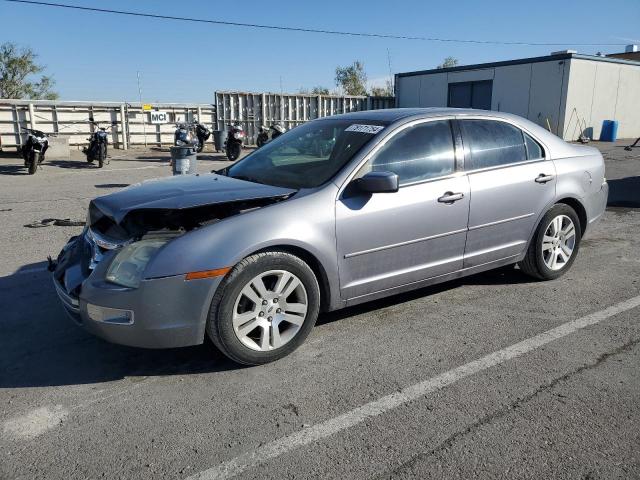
<point x="511" y="183"/>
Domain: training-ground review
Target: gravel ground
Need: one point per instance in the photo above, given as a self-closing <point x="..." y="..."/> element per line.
<point x="74" y="406"/>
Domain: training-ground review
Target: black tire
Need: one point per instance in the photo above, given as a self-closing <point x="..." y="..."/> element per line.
<point x="233" y="151"/>
<point x="219" y="324"/>
<point x="33" y="162"/>
<point x="102" y="155"/>
<point x="533" y="263"/>
<point x="260" y="141"/>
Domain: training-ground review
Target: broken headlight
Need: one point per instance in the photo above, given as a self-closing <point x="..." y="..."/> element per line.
<point x="128" y="266"/>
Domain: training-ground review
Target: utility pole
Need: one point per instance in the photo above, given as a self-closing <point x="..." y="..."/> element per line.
<point x="144" y="123"/>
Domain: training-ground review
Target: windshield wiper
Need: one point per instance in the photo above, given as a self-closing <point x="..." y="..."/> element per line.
<point x="246" y="178"/>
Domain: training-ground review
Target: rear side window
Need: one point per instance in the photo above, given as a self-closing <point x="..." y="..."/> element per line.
<point x="534" y="150"/>
<point x="417" y="153"/>
<point x="490" y="143"/>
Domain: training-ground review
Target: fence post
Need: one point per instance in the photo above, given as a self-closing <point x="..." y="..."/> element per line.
<point x="123" y="128"/>
<point x="32" y="117"/>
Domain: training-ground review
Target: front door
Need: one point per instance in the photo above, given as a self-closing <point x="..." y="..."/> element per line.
<point x="386" y="240"/>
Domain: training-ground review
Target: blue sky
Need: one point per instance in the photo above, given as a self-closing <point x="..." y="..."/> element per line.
<point x="96" y="56"/>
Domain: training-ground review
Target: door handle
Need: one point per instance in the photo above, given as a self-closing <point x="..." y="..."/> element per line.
<point x="542" y="178"/>
<point x="450" y="197"/>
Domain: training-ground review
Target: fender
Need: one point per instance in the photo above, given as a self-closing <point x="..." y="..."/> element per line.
<point x="305" y="221"/>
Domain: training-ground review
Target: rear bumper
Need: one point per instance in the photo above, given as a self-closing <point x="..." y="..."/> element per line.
<point x="166" y="312"/>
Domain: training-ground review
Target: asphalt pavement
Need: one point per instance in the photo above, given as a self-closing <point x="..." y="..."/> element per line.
<point x="491" y="376"/>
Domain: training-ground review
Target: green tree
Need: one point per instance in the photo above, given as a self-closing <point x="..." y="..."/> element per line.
<point x="384" y="91"/>
<point x="352" y="79"/>
<point x="17" y="67"/>
<point x="448" y="62"/>
<point x="318" y="90"/>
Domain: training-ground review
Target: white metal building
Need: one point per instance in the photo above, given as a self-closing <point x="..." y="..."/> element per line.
<point x="567" y="92"/>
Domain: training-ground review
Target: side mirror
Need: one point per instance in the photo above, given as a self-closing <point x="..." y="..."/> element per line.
<point x="378" y="182"/>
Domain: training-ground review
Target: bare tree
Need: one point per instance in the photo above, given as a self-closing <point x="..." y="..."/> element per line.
<point x="16" y="67"/>
<point x="448" y="62"/>
<point x="352" y="79"/>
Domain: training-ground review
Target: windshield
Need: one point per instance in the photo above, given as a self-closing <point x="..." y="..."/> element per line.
<point x="308" y="155"/>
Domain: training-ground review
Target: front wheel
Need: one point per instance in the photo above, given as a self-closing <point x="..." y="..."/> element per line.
<point x="33" y="162"/>
<point x="102" y="155"/>
<point x="233" y="151"/>
<point x="555" y="244"/>
<point x="265" y="308"/>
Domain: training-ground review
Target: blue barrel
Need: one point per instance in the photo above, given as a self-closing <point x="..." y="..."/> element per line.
<point x="609" y="132"/>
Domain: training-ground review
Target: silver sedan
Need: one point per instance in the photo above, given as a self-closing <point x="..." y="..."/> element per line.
<point x="335" y="212"/>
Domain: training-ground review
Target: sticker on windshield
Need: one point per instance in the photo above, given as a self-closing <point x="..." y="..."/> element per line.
<point x="372" y="129"/>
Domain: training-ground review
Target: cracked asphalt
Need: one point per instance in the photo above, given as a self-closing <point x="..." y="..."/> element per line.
<point x="74" y="406"/>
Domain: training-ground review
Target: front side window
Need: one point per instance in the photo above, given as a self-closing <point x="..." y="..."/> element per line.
<point x="490" y="143"/>
<point x="308" y="155"/>
<point x="417" y="153"/>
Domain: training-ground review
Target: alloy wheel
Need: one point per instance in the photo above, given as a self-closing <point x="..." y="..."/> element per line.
<point x="270" y="310"/>
<point x="558" y="242"/>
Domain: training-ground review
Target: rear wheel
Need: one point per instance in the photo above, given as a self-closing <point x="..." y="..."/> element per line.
<point x="555" y="244"/>
<point x="265" y="308"/>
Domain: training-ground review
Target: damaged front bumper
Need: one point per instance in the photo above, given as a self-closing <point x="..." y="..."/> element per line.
<point x="161" y="313"/>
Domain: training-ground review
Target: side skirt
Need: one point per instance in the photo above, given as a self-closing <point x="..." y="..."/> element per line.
<point x="464" y="272"/>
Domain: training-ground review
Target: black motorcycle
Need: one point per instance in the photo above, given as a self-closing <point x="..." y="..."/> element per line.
<point x="274" y="130"/>
<point x="235" y="139"/>
<point x="34" y="149"/>
<point x="203" y="134"/>
<point x="191" y="134"/>
<point x="98" y="141"/>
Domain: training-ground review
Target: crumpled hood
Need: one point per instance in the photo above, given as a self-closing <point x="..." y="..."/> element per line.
<point x="184" y="191"/>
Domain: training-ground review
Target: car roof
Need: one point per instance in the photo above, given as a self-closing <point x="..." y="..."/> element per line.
<point x="556" y="145"/>
<point x="395" y="114"/>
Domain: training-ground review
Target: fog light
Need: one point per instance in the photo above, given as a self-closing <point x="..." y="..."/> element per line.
<point x="108" y="315"/>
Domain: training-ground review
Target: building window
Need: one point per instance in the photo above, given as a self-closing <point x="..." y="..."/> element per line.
<point x="470" y="95"/>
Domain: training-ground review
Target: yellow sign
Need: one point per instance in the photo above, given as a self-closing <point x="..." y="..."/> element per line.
<point x="147" y="107"/>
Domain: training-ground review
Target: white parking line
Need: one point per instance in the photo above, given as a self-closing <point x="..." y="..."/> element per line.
<point x="408" y="394"/>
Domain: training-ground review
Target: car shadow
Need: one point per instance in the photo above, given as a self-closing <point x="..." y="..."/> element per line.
<point x="43" y="347"/>
<point x="624" y="192"/>
<point x="508" y="275"/>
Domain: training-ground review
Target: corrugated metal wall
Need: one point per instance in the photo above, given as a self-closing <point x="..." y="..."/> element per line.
<point x="255" y="109"/>
<point x="132" y="126"/>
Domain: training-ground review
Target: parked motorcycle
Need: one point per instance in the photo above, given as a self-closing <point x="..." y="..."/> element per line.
<point x="34" y="149"/>
<point x="203" y="134"/>
<point x="275" y="130"/>
<point x="183" y="135"/>
<point x="98" y="141"/>
<point x="235" y="139"/>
